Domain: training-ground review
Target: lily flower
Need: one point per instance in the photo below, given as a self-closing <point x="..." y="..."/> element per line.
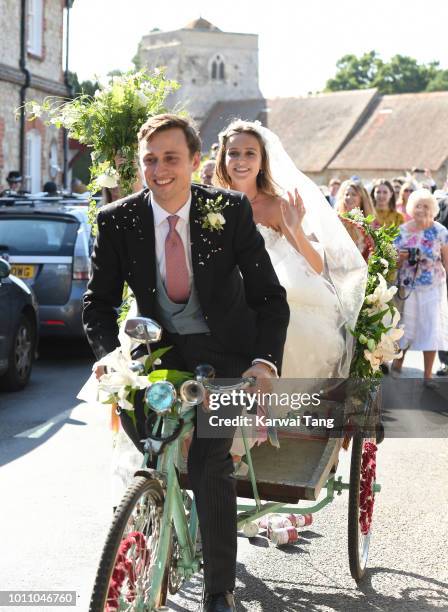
<point x="391" y="319"/>
<point x="381" y="296"/>
<point x="120" y="380"/>
<point x="386" y="349"/>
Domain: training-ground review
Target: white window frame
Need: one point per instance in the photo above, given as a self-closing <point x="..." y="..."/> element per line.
<point x="53" y="168"/>
<point x="35" y="18"/>
<point x="33" y="162"/>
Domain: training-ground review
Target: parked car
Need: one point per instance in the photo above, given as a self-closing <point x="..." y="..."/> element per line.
<point x="18" y="330"/>
<point x="72" y="199"/>
<point x="49" y="245"/>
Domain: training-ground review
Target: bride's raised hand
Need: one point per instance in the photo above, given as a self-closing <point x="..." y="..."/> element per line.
<point x="293" y="212"/>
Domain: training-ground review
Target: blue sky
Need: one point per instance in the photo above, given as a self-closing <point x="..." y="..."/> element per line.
<point x="299" y="40"/>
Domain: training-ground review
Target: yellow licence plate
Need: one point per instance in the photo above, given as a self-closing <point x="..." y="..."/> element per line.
<point x="22" y="271"/>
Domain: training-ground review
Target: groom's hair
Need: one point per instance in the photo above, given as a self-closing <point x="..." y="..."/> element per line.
<point x="160" y="123"/>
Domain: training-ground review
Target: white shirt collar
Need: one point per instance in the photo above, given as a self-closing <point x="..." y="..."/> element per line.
<point x="160" y="214"/>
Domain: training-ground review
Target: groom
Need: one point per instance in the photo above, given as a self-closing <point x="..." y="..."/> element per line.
<point x="214" y="291"/>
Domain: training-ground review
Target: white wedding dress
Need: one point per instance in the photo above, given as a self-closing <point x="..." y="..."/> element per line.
<point x="315" y="342"/>
<point x="316" y="337"/>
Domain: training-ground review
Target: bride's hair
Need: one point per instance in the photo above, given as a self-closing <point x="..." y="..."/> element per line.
<point x="221" y="178"/>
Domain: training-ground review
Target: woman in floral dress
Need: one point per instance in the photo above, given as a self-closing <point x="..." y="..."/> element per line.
<point x="423" y="247"/>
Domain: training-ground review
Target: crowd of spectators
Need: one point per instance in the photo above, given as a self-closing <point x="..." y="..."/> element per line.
<point x="419" y="210"/>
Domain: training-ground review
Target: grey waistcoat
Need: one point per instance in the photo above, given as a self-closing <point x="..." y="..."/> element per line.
<point x="179" y="318"/>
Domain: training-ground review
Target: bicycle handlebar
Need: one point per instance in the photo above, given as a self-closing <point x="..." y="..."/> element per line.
<point x="247" y="381"/>
<point x="155" y="444"/>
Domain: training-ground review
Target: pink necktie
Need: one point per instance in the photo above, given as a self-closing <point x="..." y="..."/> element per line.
<point x="177" y="282"/>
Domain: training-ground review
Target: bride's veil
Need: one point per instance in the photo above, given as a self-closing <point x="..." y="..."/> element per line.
<point x="345" y="267"/>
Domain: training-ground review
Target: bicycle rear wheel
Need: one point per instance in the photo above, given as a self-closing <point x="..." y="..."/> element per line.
<point x="361" y="503"/>
<point x="125" y="571"/>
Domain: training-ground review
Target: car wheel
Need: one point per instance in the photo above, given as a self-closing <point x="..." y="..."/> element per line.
<point x="20" y="356"/>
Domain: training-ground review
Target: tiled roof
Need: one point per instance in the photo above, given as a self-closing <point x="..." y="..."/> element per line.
<point x="223" y="113"/>
<point x="352" y="130"/>
<point x="201" y="24"/>
<point x="313" y="128"/>
<point x="403" y="131"/>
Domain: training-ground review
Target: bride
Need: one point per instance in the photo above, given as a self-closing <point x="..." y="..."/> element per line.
<point x="314" y="257"/>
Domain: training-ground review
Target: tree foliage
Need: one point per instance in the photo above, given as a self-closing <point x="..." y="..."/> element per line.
<point x="136" y="60"/>
<point x="439" y="82"/>
<point x="85" y="87"/>
<point x="402" y="74"/>
<point x="354" y="72"/>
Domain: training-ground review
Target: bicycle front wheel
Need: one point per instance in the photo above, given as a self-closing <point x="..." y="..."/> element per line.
<point x="125" y="572"/>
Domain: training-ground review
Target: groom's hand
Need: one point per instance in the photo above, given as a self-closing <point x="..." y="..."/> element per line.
<point x="264" y="375"/>
<point x="99" y="370"/>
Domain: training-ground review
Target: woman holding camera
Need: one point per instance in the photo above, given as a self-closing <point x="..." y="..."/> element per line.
<point x="423" y="266"/>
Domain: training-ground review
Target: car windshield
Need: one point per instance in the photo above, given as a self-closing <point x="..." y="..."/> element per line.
<point x="33" y="236"/>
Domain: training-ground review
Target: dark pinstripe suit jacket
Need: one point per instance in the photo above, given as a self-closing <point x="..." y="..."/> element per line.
<point x="244" y="304"/>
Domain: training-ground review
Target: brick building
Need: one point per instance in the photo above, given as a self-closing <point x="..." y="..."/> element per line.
<point x="31" y="68"/>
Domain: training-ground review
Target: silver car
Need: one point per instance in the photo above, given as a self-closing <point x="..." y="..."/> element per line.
<point x="48" y="246"/>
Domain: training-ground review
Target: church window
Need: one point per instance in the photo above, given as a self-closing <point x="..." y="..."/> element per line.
<point x="217" y="68"/>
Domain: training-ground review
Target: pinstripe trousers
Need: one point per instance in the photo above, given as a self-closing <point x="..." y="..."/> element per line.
<point x="210" y="466"/>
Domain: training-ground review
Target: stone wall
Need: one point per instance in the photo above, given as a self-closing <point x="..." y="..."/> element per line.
<point x="47" y="78"/>
<point x="10" y="128"/>
<point x="2" y="137"/>
<point x="9" y="145"/>
<point x="49" y="64"/>
<point x="10" y="32"/>
<point x="188" y="55"/>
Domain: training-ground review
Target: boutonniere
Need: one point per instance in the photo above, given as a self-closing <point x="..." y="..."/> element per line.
<point x="211" y="212"/>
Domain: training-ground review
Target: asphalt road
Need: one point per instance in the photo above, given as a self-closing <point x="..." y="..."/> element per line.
<point x="56" y="506"/>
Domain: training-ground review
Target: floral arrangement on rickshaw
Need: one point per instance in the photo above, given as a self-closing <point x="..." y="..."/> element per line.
<point x="120" y="385"/>
<point x="108" y="123"/>
<point x="376" y="331"/>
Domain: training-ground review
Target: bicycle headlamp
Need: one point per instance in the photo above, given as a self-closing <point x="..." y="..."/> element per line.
<point x="192" y="392"/>
<point x="160" y="396"/>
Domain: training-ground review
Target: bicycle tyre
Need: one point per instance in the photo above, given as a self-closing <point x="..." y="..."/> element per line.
<point x="358" y="543"/>
<point x="106" y="594"/>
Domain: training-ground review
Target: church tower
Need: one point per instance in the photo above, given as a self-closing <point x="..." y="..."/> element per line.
<point x="210" y="65"/>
